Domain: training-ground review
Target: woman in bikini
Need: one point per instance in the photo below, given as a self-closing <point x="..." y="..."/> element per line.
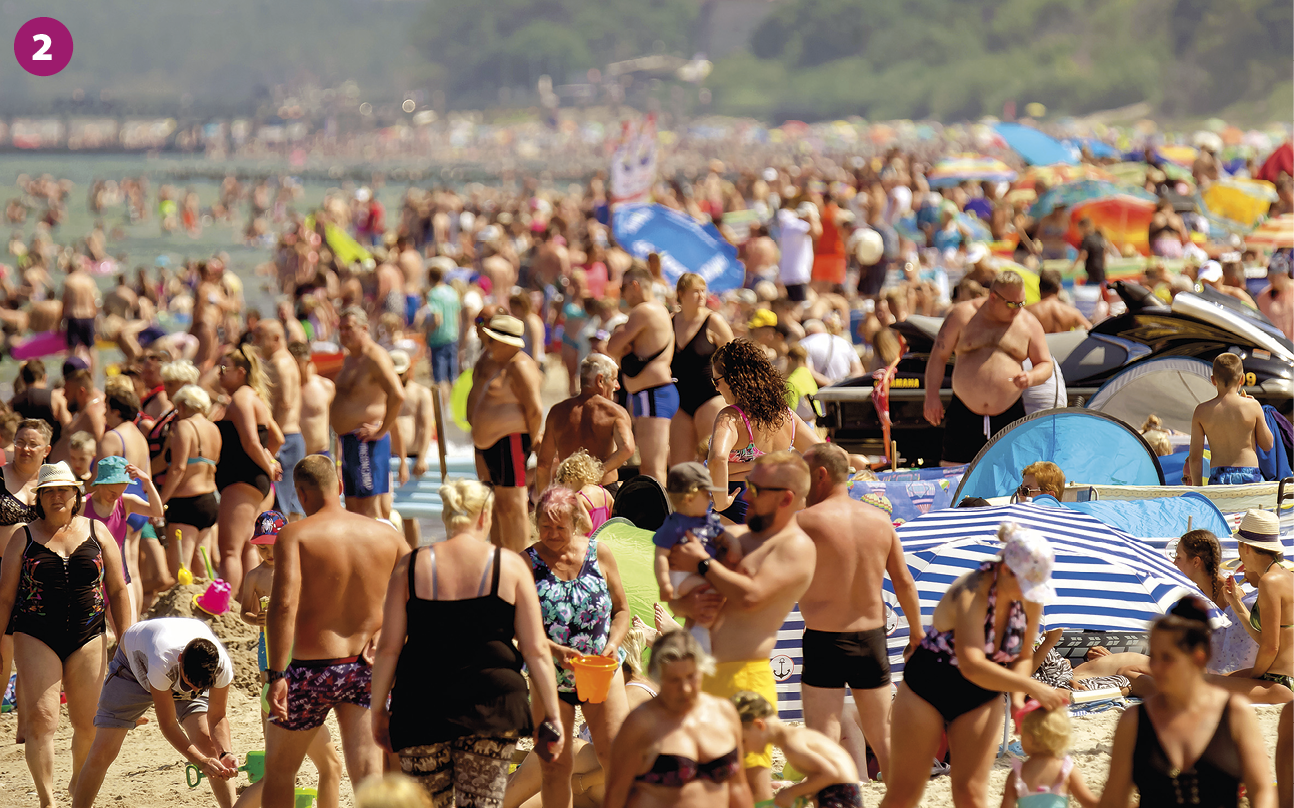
<point x="756" y="422"/>
<point x="1191" y="743"/>
<point x="683" y="748"/>
<point x="1271" y="620"/>
<point x="698" y="333"/>
<point x="189" y="493"/>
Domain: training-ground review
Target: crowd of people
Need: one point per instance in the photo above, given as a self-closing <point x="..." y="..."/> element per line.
<point x="270" y="442"/>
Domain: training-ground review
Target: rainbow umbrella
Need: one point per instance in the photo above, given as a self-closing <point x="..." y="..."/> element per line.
<point x="1240" y="200"/>
<point x="1124" y="219"/>
<point x="969" y="168"/>
<point x="1273" y="234"/>
<point x="1075" y="193"/>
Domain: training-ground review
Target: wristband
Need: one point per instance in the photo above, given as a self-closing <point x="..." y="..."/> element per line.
<point x="274" y="676"/>
<point x="702" y="567"/>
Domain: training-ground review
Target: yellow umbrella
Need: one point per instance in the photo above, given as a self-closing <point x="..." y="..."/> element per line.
<point x="1240" y="200"/>
<point x="1031" y="291"/>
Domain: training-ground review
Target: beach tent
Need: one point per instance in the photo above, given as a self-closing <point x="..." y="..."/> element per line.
<point x="1157" y="521"/>
<point x="1089" y="446"/>
<point x="1036" y="148"/>
<point x="1105" y="579"/>
<point x="1169" y="387"/>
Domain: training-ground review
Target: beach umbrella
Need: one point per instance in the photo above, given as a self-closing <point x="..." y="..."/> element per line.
<point x="1240" y="200"/>
<point x="969" y="168"/>
<point x="1273" y="234"/>
<point x="683" y="244"/>
<point x="1181" y="155"/>
<point x="1075" y="193"/>
<point x="1105" y="579"/>
<point x="1052" y="176"/>
<point x="1035" y="147"/>
<point x="1124" y="219"/>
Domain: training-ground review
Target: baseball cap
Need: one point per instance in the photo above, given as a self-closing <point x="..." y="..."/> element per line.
<point x="1031" y="558"/>
<point x="689" y="476"/>
<point x="1210" y="272"/>
<point x="268" y="525"/>
<point x="762" y="318"/>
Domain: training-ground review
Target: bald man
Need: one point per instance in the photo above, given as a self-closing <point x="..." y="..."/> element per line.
<point x="285" y="400"/>
<point x="753" y="600"/>
<point x="330" y="578"/>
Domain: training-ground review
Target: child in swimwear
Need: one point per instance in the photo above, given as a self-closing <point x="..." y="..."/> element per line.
<point x="831" y="778"/>
<point x="1047" y="779"/>
<point x="256" y="594"/>
<point x="582" y="473"/>
<point x="1235" y="427"/>
<point x="688" y="486"/>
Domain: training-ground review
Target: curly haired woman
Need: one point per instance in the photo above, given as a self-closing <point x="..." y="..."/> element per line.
<point x="756" y="422"/>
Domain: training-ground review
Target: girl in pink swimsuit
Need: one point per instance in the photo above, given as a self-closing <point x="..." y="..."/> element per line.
<point x="582" y="473"/>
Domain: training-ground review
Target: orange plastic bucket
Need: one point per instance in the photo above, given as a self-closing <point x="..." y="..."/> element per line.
<point x="593" y="675"/>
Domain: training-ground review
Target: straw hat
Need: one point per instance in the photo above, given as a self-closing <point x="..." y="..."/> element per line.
<point x="1259" y="529"/>
<point x="506" y="329"/>
<point x="56" y="475"/>
<point x="399" y="361"/>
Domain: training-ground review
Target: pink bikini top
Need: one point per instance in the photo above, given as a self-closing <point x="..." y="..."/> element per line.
<point x="751" y="452"/>
<point x="598" y="515"/>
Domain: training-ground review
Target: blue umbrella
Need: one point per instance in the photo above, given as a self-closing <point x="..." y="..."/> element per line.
<point x="1105" y="579"/>
<point x="1036" y="148"/>
<point x="1097" y="148"/>
<point x="682" y="244"/>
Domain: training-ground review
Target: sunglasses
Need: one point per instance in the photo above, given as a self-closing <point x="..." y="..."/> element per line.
<point x="756" y="490"/>
<point x="1025" y="491"/>
<point x="1010" y="304"/>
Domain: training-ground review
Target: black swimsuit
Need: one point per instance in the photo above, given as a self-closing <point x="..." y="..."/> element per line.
<point x="632" y="365"/>
<point x="235" y="465"/>
<point x="676" y="771"/>
<point x="60" y="600"/>
<point x="691" y="366"/>
<point x="1212" y="782"/>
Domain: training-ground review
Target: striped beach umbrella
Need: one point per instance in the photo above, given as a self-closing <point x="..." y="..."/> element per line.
<point x="1273" y="234"/>
<point x="1051" y="176"/>
<point x="1105" y="579"/>
<point x="969" y="168"/>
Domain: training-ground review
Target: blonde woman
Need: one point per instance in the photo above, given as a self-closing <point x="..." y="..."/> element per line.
<point x="189" y="493"/>
<point x="249" y="441"/>
<point x="583" y="473"/>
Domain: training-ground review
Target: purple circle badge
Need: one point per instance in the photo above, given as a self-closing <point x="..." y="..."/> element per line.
<point x="43" y="46"/>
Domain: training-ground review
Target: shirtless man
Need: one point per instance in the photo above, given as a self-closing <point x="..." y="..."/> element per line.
<point x="285" y="401"/>
<point x="1055" y="315"/>
<point x="1277" y="300"/>
<point x="293" y="331"/>
<point x="210" y="305"/>
<point x="551" y="261"/>
<point x="416" y="425"/>
<point x="316" y="400"/>
<point x="775" y="570"/>
<point x="415" y="276"/>
<point x="644" y="346"/>
<point x="330" y="576"/>
<point x="1234" y="426"/>
<point x="591" y="421"/>
<point x="363" y="414"/>
<point x="992" y="336"/>
<point x="80" y="308"/>
<point x="505" y="413"/>
<point x="844" y="615"/>
<point x="89" y="412"/>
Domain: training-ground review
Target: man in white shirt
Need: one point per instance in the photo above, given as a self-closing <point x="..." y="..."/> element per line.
<point x="798" y="230"/>
<point x="830" y="357"/>
<point x="177" y="666"/>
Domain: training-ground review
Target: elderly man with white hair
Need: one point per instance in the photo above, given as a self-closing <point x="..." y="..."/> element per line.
<point x="831" y="357"/>
<point x="591" y="420"/>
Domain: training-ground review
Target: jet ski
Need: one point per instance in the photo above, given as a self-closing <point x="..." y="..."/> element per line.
<point x="1196" y="324"/>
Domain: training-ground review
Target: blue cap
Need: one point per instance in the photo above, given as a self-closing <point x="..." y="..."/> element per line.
<point x="111" y="471"/>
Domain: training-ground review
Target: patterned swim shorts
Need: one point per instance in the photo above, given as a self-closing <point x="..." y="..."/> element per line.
<point x="467" y="771"/>
<point x="315" y="686"/>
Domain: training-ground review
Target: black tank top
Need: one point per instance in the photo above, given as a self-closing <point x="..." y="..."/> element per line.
<point x="1212" y="782"/>
<point x="34" y="402"/>
<point x="691" y="365"/>
<point x="459" y="673"/>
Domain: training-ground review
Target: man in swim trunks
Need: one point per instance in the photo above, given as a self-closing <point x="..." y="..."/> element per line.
<point x="330" y="577"/>
<point x="991" y="336"/>
<point x="844" y="615"/>
<point x="368" y="400"/>
<point x="644" y="345"/>
<point x="753" y="599"/>
<point x="285" y="401"/>
<point x="504" y="410"/>
<point x="80" y="308"/>
<point x="417" y="426"/>
<point x="592" y="421"/>
<point x="317" y="394"/>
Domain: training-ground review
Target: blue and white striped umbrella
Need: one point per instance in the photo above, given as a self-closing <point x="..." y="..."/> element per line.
<point x="1105" y="579"/>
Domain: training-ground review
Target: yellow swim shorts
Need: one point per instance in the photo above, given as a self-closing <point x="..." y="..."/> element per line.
<point x="754" y="675"/>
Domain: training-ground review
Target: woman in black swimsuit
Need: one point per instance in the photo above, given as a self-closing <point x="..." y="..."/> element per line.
<point x="249" y="441"/>
<point x="1191" y="743"/>
<point x="682" y="748"/>
<point x="698" y="333"/>
<point x="53" y="588"/>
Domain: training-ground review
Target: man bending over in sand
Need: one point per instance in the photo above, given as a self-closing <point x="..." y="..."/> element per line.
<point x="330" y="576"/>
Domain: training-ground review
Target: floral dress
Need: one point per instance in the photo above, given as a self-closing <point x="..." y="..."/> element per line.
<point x="576" y="613"/>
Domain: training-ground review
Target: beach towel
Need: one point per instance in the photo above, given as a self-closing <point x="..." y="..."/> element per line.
<point x="1275" y="463"/>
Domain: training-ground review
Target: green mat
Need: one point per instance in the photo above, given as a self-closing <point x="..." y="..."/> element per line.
<point x="634" y="553"/>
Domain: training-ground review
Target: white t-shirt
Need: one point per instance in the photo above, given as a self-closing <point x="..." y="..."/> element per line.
<point x="153" y="647"/>
<point x="829" y="355"/>
<point x="899" y="203"/>
<point x="797" y="248"/>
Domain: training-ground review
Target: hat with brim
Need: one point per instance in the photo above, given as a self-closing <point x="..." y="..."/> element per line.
<point x="1261" y="530"/>
<point x="506" y="329"/>
<point x="1030" y="558"/>
<point x="268" y="525"/>
<point x="56" y="475"/>
<point x="400" y="361"/>
<point x="111" y="471"/>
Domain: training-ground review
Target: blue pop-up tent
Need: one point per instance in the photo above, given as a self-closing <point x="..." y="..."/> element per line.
<point x="1036" y="148"/>
<point x="1090" y="447"/>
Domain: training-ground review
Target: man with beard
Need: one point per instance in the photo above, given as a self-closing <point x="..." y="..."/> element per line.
<point x="86" y="404"/>
<point x="752" y="601"/>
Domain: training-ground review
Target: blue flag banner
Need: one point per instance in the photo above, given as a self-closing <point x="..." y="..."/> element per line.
<point x="682" y="244"/>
